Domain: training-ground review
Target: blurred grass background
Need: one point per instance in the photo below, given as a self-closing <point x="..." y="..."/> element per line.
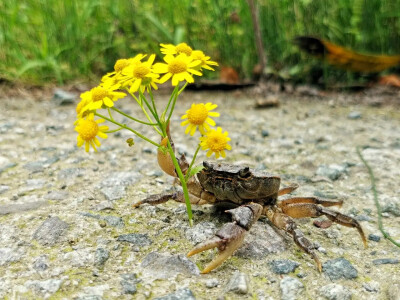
<point x="71" y="41"/>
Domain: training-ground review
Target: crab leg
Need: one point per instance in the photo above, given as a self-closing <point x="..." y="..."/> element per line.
<point x="288" y="189"/>
<point x="314" y="200"/>
<point x="230" y="237"/>
<point x="282" y="221"/>
<point x="304" y="210"/>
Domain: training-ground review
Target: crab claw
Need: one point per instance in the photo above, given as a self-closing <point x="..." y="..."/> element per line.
<point x="227" y="240"/>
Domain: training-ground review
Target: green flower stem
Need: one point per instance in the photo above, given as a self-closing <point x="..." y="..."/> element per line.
<point x="173" y="106"/>
<point x="154" y="104"/>
<point x="170" y="99"/>
<point x="132" y="118"/>
<point x="109" y="113"/>
<point x="128" y="128"/>
<point x="181" y="90"/>
<point x="183" y="183"/>
<point x="192" y="162"/>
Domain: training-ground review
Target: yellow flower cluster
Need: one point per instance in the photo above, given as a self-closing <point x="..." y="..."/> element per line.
<point x="198" y="116"/>
<point x="138" y="75"/>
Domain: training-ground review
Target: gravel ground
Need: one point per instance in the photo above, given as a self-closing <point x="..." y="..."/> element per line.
<point x="68" y="231"/>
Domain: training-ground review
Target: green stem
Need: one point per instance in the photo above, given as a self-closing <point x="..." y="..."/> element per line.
<point x="173" y="106"/>
<point x="192" y="162"/>
<point x="377" y="204"/>
<point x="183" y="183"/>
<point x="181" y="90"/>
<point x="128" y="128"/>
<point x="132" y="118"/>
<point x="170" y="99"/>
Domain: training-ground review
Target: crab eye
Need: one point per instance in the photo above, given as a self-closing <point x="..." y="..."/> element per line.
<point x="245" y="172"/>
<point x="206" y="165"/>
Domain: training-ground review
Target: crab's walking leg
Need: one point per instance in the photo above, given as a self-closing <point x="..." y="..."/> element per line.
<point x="282" y="221"/>
<point x="162" y="198"/>
<point x="313" y="200"/>
<point x="288" y="189"/>
<point x="304" y="210"/>
<point x="230" y="236"/>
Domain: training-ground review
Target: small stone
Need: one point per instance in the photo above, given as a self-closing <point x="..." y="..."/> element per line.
<point x="70" y="173"/>
<point x="393" y="208"/>
<point x="333" y="172"/>
<point x="335" y="291"/>
<point x="212" y="283"/>
<point x="291" y="288"/>
<point x="385" y="261"/>
<point x="56" y="195"/>
<point x="114" y="221"/>
<point x="128" y="287"/>
<point x="15" y="208"/>
<point x="182" y="294"/>
<point x="9" y="255"/>
<point x="62" y="97"/>
<point x="200" y="232"/>
<point x="44" y="286"/>
<point x="238" y="283"/>
<point x="339" y="268"/>
<point x="372" y="287"/>
<point x="101" y="257"/>
<point x="33" y="184"/>
<point x="164" y="265"/>
<point x="41" y="263"/>
<point x="5" y="164"/>
<point x="112" y="193"/>
<point x="138" y="239"/>
<point x="264" y="133"/>
<point x="354" y="115"/>
<point x="50" y="232"/>
<point x="3" y="189"/>
<point x="283" y="266"/>
<point x="374" y="237"/>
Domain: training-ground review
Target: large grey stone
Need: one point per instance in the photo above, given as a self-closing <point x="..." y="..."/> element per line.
<point x="51" y="231"/>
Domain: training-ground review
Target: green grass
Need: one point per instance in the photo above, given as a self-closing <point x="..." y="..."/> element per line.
<point x="77" y="40"/>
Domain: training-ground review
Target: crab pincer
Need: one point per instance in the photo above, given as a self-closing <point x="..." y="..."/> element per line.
<point x="231" y="235"/>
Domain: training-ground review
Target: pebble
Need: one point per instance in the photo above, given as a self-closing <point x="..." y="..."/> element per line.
<point x="51" y="231"/>
<point x="44" y="286"/>
<point x="283" y="266"/>
<point x="15" y="208"/>
<point x="9" y="255"/>
<point x="5" y="164"/>
<point x="41" y="263"/>
<point x="372" y="286"/>
<point x="238" y="283"/>
<point x="138" y="239"/>
<point x="3" y="188"/>
<point x="200" y="232"/>
<point x="264" y="133"/>
<point x="333" y="172"/>
<point x="164" y="265"/>
<point x="393" y="208"/>
<point x="212" y="283"/>
<point x="354" y="115"/>
<point x="374" y="237"/>
<point x="181" y="294"/>
<point x="110" y="220"/>
<point x="385" y="261"/>
<point x="101" y="256"/>
<point x="56" y="195"/>
<point x="128" y="283"/>
<point x="61" y="97"/>
<point x="339" y="268"/>
<point x="291" y="288"/>
<point x="335" y="291"/>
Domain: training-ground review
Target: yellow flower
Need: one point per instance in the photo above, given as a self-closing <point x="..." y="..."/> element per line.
<point x="139" y="74"/>
<point x="216" y="142"/>
<point x="119" y="65"/>
<point x="178" y="49"/>
<point x="179" y="68"/>
<point x="103" y="95"/>
<point x="88" y="129"/>
<point x="205" y="60"/>
<point x="199" y="115"/>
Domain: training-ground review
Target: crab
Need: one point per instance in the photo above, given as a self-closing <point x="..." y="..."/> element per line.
<point x="249" y="194"/>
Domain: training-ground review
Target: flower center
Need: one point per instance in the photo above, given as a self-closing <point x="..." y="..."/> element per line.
<point x="183" y="48"/>
<point x="140" y="71"/>
<point x="177" y="66"/>
<point x="216" y="141"/>
<point x="198" y="55"/>
<point x="121" y="64"/>
<point x="197" y="114"/>
<point x="99" y="93"/>
<point x="88" y="129"/>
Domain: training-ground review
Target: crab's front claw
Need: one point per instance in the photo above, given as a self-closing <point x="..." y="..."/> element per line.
<point x="229" y="238"/>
